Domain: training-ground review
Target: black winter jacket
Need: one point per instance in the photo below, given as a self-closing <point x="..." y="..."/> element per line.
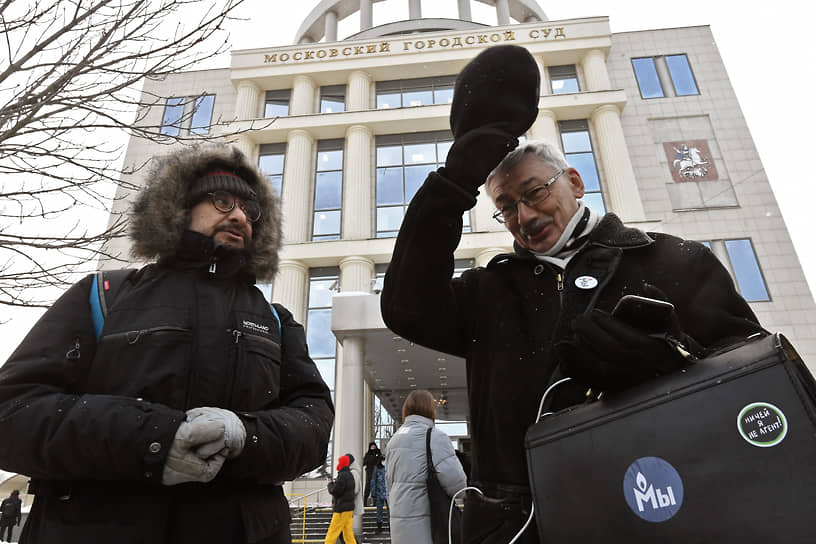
<point x="504" y="319"/>
<point x="342" y="490"/>
<point x="92" y="421"/>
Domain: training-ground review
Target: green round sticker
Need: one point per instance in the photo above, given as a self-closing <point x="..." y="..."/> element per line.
<point x="762" y="424"/>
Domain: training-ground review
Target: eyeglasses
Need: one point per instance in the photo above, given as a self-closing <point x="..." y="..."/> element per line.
<point x="532" y="198"/>
<point x="224" y="202"/>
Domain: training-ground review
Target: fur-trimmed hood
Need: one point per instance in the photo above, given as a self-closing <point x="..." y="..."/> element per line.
<point x="159" y="216"/>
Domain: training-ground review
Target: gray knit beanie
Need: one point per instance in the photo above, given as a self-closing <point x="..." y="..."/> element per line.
<point x="220" y="181"/>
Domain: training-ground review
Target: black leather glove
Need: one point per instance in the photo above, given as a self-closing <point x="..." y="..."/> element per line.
<point x="609" y="355"/>
<point x="495" y="100"/>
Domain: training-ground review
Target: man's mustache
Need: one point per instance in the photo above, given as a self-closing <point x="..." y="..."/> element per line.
<point x="532" y="227"/>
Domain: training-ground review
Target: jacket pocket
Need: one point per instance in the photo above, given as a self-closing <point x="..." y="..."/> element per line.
<point x="150" y="363"/>
<point x="257" y="376"/>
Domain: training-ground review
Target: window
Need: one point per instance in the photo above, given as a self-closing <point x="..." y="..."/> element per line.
<point x="681" y="75"/>
<point x="277" y="103"/>
<point x="328" y="194"/>
<point x="197" y="119"/>
<point x="578" y="151"/>
<point x="403" y="163"/>
<point x="739" y="258"/>
<point x="747" y="274"/>
<point x="323" y="285"/>
<point x="332" y="98"/>
<point x="563" y="79"/>
<point x="647" y="78"/>
<point x="652" y="74"/>
<point x="270" y="162"/>
<point x="415" y="92"/>
<point x="173" y="113"/>
<point x="202" y="114"/>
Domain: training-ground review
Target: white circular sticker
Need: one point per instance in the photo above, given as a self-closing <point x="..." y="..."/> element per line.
<point x="762" y="424"/>
<point x="586" y="282"/>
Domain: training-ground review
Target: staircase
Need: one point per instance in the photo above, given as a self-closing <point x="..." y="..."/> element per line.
<point x="317" y="523"/>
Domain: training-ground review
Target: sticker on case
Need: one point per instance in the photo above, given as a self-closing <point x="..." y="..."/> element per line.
<point x="762" y="424"/>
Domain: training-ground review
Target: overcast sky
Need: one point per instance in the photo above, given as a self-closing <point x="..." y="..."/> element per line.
<point x="766" y="48"/>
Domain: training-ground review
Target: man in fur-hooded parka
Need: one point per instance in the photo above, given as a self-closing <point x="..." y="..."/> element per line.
<point x="179" y="419"/>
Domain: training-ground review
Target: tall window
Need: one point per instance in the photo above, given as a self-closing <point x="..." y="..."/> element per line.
<point x="270" y="162"/>
<point x="563" y="79"/>
<point x="332" y="98"/>
<point x="739" y="258"/>
<point x="202" y="114"/>
<point x="173" y="113"/>
<point x="197" y="119"/>
<point x="746" y="270"/>
<point x="403" y="163"/>
<point x="276" y="103"/>
<point x="578" y="151"/>
<point x="415" y="92"/>
<point x="681" y="75"/>
<point x="328" y="194"/>
<point x="652" y="85"/>
<point x="322" y="344"/>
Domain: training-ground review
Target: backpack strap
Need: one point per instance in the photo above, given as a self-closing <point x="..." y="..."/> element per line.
<point x="106" y="285"/>
<point x="277" y="318"/>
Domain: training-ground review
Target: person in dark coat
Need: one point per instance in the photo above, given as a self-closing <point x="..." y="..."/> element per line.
<point x="379" y="492"/>
<point x="544" y="310"/>
<point x="179" y="423"/>
<point x="342" y="492"/>
<point x="370" y="460"/>
<point x="10" y="514"/>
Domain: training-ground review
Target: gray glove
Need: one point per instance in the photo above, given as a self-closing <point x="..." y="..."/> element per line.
<point x="231" y="443"/>
<point x="184" y="463"/>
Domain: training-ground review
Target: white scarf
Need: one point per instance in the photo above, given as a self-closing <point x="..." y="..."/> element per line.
<point x="562" y="251"/>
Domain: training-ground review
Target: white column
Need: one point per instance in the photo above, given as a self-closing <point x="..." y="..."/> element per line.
<point x="464" y="10"/>
<point x="545" y="127"/>
<point x="247" y="147"/>
<point x="484" y="256"/>
<point x="503" y="12"/>
<point x="664" y="76"/>
<point x="297" y="178"/>
<point x="621" y="187"/>
<point x="359" y="91"/>
<point x="348" y="419"/>
<point x="414" y="9"/>
<point x="330" y="26"/>
<point x="596" y="75"/>
<point x="366" y="15"/>
<point x="290" y="287"/>
<point x="357" y="184"/>
<point x="303" y="96"/>
<point x="246" y="103"/>
<point x="356" y="273"/>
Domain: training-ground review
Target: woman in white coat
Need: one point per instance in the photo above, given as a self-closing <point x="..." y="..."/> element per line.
<point x="407" y="471"/>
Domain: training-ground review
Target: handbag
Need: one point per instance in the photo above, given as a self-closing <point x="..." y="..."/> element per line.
<point x="443" y="524"/>
<point x="723" y="451"/>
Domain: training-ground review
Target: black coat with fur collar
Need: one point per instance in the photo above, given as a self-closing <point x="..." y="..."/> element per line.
<point x="91" y="421"/>
<point x="504" y="319"/>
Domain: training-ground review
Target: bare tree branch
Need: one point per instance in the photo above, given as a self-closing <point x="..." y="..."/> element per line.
<point x="72" y="77"/>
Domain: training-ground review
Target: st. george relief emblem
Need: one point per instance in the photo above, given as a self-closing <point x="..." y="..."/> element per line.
<point x="690" y="160"/>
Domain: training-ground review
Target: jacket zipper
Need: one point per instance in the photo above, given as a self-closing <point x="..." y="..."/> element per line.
<point x="559" y="285"/>
<point x="134" y="336"/>
<point x="236" y="335"/>
<point x="73" y="353"/>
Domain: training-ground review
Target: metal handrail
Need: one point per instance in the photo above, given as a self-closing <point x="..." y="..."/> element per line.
<point x="303" y="521"/>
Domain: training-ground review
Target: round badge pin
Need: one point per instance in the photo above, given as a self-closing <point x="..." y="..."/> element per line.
<point x="586" y="282"/>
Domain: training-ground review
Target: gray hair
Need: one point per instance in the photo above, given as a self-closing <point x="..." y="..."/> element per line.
<point x="543" y="150"/>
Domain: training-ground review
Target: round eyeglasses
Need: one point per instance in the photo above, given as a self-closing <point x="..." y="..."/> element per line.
<point x="224" y="202"/>
<point x="532" y="198"/>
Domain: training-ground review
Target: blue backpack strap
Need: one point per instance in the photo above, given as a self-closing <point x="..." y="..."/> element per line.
<point x="95" y="299"/>
<point x="277" y="318"/>
<point x="104" y="288"/>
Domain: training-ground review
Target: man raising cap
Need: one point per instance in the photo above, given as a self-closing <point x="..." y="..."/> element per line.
<point x="179" y="423"/>
<point x="542" y="311"/>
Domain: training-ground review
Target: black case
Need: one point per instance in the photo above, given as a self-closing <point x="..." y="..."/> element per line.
<point x="743" y="472"/>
